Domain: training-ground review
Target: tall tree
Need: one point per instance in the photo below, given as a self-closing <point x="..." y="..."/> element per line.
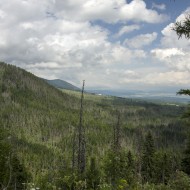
<point x="186" y="159"/>
<point x="5" y="160"/>
<point x="12" y="172"/>
<point x="116" y="167"/>
<point x="131" y="178"/>
<point x="93" y="175"/>
<point x="81" y="138"/>
<point x="148" y="158"/>
<point x="117" y="134"/>
<point x="163" y="167"/>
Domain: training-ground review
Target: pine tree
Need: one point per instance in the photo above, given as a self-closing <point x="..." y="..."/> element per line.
<point x="163" y="167"/>
<point x="12" y="172"/>
<point x="117" y="134"/>
<point x="186" y="160"/>
<point x="5" y="161"/>
<point x="130" y="168"/>
<point x="19" y="174"/>
<point x="148" y="159"/>
<point x="116" y="167"/>
<point x="93" y="175"/>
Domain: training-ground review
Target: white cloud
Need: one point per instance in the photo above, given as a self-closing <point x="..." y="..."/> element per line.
<point x="159" y="78"/>
<point x="59" y="48"/>
<point x="139" y="54"/>
<point x="127" y="29"/>
<point x="159" y="6"/>
<point x="141" y="40"/>
<point x="164" y="54"/>
<point x="137" y="10"/>
<point x="183" y="15"/>
<point x="56" y="39"/>
<point x="174" y="52"/>
<point x="174" y="58"/>
<point x="170" y="38"/>
<point x="169" y="78"/>
<point x="110" y="11"/>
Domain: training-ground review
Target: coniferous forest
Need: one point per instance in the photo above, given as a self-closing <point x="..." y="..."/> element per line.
<point x="54" y="139"/>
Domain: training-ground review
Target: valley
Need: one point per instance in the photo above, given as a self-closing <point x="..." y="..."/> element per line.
<point x="39" y="122"/>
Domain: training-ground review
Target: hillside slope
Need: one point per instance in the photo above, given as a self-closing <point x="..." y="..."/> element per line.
<point x="41" y="121"/>
<point x="62" y="84"/>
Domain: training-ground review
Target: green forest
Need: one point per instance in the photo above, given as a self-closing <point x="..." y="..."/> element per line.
<point x="54" y="139"/>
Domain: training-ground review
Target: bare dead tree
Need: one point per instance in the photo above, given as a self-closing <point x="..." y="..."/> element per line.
<point x="81" y="138"/>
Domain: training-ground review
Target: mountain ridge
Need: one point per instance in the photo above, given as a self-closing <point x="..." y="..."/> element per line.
<point x="58" y="83"/>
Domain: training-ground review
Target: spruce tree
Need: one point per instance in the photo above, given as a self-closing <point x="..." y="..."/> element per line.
<point x="163" y="167"/>
<point x="186" y="159"/>
<point x="130" y="168"/>
<point x="93" y="175"/>
<point x="148" y="159"/>
<point x="12" y="173"/>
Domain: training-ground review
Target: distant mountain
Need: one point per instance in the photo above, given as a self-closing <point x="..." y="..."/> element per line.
<point x="62" y="84"/>
<point x="153" y="96"/>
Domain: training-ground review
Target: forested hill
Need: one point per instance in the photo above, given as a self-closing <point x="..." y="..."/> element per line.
<point x="62" y="84"/>
<point x="38" y="124"/>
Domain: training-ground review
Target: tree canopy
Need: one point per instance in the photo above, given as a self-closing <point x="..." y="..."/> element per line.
<point x="182" y="28"/>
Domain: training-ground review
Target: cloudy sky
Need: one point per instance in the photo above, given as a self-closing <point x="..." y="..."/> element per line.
<point x="112" y="44"/>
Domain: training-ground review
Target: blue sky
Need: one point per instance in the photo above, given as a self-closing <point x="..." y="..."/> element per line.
<point x="112" y="44"/>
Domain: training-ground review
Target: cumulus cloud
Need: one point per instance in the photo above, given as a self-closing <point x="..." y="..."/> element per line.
<point x="141" y="40"/>
<point x="159" y="6"/>
<point x="110" y="11"/>
<point x="170" y="39"/>
<point x="174" y="52"/>
<point x="61" y="39"/>
<point x="174" y="58"/>
<point x="169" y="78"/>
<point x="159" y="78"/>
<point x="137" y="10"/>
<point x="127" y="29"/>
<point x="164" y="54"/>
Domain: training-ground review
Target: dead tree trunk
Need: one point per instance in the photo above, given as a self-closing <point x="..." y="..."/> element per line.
<point x="81" y="138"/>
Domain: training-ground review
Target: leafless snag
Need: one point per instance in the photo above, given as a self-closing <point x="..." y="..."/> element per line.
<point x="81" y="138"/>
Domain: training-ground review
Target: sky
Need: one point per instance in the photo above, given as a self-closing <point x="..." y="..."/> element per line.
<point x="111" y="44"/>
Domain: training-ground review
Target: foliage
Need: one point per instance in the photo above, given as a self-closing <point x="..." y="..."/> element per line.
<point x="12" y="173"/>
<point x="181" y="181"/>
<point x="183" y="28"/>
<point x="38" y="123"/>
<point x="148" y="163"/>
<point x="93" y="174"/>
<point x="184" y="92"/>
<point x="163" y="167"/>
<point x="186" y="158"/>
